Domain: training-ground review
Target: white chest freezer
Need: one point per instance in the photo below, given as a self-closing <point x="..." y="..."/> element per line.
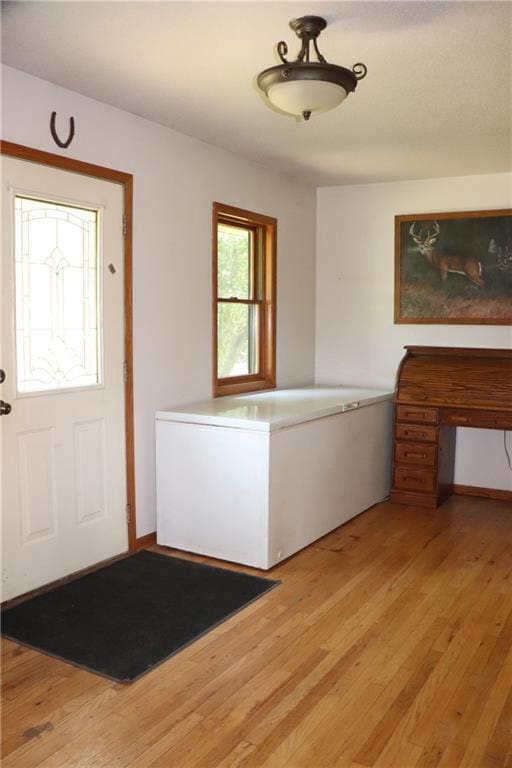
<point x="255" y="478"/>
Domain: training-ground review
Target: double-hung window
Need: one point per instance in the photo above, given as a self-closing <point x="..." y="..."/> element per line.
<point x="244" y="302"/>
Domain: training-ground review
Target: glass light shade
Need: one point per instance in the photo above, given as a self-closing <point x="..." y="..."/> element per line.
<point x="298" y="96"/>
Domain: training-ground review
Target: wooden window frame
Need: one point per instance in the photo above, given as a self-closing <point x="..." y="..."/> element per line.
<point x="264" y="230"/>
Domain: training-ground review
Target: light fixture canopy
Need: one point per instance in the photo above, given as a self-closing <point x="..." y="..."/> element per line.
<point x="303" y="87"/>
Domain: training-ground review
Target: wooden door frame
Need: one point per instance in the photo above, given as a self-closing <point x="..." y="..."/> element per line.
<point x="9" y="149"/>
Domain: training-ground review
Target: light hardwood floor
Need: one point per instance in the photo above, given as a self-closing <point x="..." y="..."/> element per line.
<point x="388" y="643"/>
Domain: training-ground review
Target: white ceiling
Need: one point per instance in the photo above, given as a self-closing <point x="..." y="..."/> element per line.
<point x="436" y="101"/>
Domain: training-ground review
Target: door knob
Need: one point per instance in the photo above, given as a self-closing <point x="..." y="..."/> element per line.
<point x="5" y="408"/>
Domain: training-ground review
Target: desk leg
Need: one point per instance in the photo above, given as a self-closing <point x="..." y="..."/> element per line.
<point x="446" y="463"/>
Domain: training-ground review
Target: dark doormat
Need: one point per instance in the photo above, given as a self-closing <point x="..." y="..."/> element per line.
<point x="126" y="618"/>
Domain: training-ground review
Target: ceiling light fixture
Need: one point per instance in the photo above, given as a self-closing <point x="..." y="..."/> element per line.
<point x="303" y="87"/>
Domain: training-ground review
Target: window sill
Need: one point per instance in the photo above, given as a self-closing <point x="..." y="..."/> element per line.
<point x="242" y="385"/>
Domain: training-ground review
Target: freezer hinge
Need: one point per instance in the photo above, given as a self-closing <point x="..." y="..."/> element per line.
<point x="125" y="225"/>
<point x="128" y="513"/>
<point x="125" y="371"/>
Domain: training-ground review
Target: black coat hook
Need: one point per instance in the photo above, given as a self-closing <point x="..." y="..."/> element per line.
<point x="56" y="139"/>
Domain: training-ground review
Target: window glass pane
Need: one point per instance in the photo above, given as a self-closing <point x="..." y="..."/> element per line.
<point x="233" y="262"/>
<point x="237" y="353"/>
<point x="57" y="296"/>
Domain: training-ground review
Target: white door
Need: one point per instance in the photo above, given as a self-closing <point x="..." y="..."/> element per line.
<point x="63" y="443"/>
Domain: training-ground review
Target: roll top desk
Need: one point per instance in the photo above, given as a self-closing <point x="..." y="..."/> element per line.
<point x="439" y="389"/>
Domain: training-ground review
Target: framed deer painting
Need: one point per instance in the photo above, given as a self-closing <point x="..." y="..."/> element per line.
<point x="454" y="268"/>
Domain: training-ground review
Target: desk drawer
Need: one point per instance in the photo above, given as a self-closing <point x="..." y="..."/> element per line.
<point x="416" y="453"/>
<point x="412" y="479"/>
<point x="461" y="417"/>
<point x="417" y="413"/>
<point x="416" y="432"/>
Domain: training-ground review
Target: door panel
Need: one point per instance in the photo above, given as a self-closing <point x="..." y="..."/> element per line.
<point x="36" y="468"/>
<point x="63" y="444"/>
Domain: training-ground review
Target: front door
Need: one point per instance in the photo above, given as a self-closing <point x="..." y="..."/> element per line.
<point x="63" y="441"/>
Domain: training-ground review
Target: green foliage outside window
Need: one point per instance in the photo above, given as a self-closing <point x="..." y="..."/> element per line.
<point x="235" y="321"/>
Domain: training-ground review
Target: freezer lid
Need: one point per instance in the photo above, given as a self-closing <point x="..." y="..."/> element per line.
<point x="275" y="409"/>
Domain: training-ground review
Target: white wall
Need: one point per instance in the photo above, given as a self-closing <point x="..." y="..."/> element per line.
<point x="356" y="339"/>
<point x="176" y="178"/>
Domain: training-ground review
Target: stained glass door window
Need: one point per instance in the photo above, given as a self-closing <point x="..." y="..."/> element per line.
<point x="57" y="286"/>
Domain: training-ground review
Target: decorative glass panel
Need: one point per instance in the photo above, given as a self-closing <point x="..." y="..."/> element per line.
<point x="57" y="296"/>
<point x="237" y="339"/>
<point x="233" y="262"/>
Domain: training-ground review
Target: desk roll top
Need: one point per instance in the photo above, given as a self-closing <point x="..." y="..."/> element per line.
<point x="438" y="389"/>
<point x="446" y="376"/>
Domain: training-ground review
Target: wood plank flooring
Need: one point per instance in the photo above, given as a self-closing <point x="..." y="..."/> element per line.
<point x="388" y="643"/>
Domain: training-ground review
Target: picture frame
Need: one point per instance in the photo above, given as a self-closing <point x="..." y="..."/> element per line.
<point x="454" y="268"/>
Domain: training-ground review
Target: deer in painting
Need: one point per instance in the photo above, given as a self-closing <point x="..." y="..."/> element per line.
<point x="503" y="255"/>
<point x="444" y="262"/>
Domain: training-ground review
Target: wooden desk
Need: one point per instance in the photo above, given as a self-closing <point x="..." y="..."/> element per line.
<point x="439" y="389"/>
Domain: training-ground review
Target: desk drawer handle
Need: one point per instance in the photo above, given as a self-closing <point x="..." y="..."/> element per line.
<point x="465" y="419"/>
<point x="414" y="479"/>
<point x="412" y="455"/>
